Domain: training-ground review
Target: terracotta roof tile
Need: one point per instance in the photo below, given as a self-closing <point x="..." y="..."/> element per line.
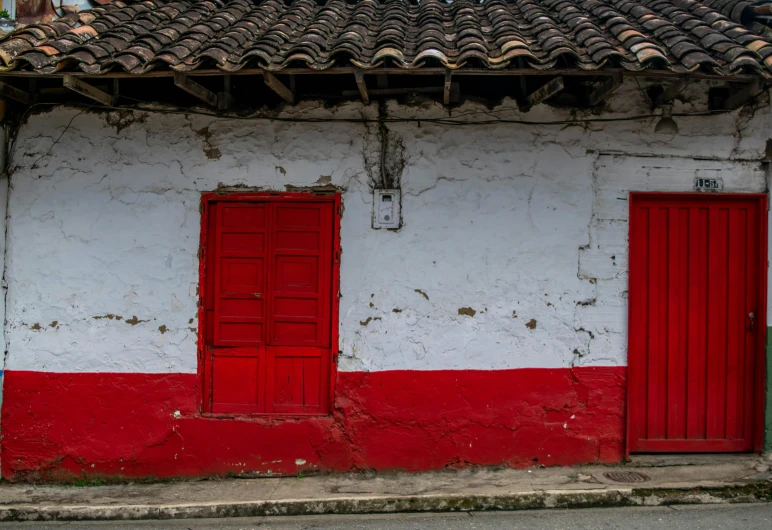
<point x="720" y="36"/>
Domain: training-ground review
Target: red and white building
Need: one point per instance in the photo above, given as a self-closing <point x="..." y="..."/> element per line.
<point x="384" y="286"/>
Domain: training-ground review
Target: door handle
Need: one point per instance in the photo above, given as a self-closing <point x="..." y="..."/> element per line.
<point x="752" y="318"/>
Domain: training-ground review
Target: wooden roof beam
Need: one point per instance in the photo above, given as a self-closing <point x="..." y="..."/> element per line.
<point x="446" y="89"/>
<point x="382" y="71"/>
<point x="545" y="92"/>
<point x="191" y="87"/>
<point x="280" y="88"/>
<point x="359" y="77"/>
<point x="11" y="92"/>
<point x="89" y="91"/>
<point x="225" y="98"/>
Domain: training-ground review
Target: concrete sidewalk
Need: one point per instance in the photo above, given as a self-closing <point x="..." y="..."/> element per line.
<point x="653" y="481"/>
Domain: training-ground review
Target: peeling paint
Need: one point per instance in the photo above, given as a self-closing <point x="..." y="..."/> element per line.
<point x="210" y="150"/>
<point x="109" y="316"/>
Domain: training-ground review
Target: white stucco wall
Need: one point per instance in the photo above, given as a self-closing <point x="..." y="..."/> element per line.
<point x="527" y="225"/>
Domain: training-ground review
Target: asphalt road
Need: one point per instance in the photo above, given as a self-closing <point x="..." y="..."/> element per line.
<point x="744" y="517"/>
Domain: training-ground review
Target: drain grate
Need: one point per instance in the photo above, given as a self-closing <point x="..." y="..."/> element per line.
<point x="626" y="476"/>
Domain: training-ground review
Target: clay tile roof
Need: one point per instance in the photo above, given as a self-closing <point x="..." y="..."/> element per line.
<point x="724" y="37"/>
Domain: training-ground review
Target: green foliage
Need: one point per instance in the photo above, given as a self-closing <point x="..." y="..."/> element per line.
<point x="5" y="14"/>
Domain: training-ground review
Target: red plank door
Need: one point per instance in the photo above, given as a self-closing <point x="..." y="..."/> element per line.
<point x="696" y="322"/>
<point x="269" y="306"/>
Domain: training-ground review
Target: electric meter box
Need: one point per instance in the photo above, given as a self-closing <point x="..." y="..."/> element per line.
<point x="387" y="209"/>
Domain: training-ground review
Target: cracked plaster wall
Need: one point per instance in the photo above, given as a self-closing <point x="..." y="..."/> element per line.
<point x="513" y="250"/>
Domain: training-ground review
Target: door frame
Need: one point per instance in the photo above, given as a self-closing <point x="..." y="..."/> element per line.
<point x="761" y="332"/>
<point x="208" y="198"/>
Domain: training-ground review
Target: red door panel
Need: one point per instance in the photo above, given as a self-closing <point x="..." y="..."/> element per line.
<point x="268" y="305"/>
<point x="301" y="286"/>
<point x="240" y="274"/>
<point x="298" y="379"/>
<point x="238" y="385"/>
<point x="695" y="279"/>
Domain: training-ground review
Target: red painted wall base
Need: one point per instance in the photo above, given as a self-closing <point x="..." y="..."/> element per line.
<point x="66" y="426"/>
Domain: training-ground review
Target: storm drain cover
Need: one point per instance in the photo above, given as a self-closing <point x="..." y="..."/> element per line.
<point x="626" y="476"/>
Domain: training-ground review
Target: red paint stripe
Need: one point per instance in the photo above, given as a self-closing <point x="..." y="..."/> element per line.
<point x="56" y="426"/>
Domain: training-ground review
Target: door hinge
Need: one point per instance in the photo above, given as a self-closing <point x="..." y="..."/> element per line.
<point x="335" y="357"/>
<point x="200" y="252"/>
<point x="201" y="207"/>
<point x="337" y="256"/>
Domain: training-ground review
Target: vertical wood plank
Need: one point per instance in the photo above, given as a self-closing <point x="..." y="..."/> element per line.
<point x="312" y="380"/>
<point x="717" y="319"/>
<point x="656" y="387"/>
<point x="698" y="317"/>
<point x="677" y="331"/>
<point x="736" y="324"/>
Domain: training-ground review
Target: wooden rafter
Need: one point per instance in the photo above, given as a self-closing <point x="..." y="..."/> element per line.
<point x="545" y="92"/>
<point x="225" y="98"/>
<point x="446" y="88"/>
<point x="195" y="89"/>
<point x="280" y="88"/>
<point x="11" y="92"/>
<point x="383" y="71"/>
<point x="90" y="91"/>
<point x="359" y="77"/>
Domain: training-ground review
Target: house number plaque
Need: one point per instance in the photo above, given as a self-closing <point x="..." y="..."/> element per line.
<point x="708" y="184"/>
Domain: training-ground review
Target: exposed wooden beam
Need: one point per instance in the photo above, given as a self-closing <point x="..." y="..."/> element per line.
<point x="605" y="89"/>
<point x="280" y="88"/>
<point x="545" y="92"/>
<point x="11" y="92"/>
<point x="191" y="87"/>
<point x="90" y="91"/>
<point x="362" y="86"/>
<point x="446" y="89"/>
<point x="345" y="70"/>
<point x="744" y="95"/>
<point x="224" y="98"/>
<point x="670" y="92"/>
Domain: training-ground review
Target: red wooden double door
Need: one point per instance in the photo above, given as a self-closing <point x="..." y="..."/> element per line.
<point x="696" y="322"/>
<point x="268" y="305"/>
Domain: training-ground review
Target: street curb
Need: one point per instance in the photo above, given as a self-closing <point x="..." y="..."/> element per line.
<point x="746" y="493"/>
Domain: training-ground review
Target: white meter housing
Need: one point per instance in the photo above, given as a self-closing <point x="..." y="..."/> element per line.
<point x="387" y="211"/>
